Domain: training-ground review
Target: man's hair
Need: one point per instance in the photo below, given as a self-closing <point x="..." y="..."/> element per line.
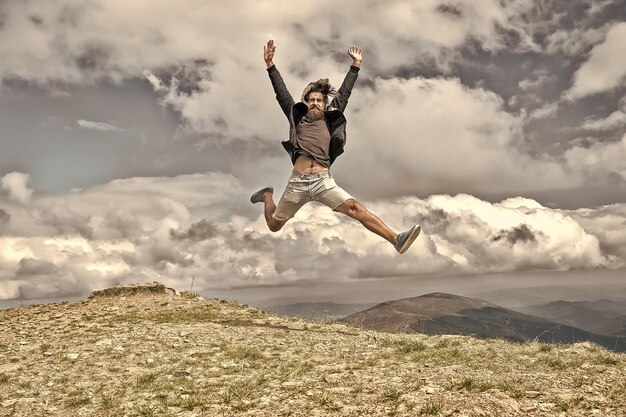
<point x="320" y="86"/>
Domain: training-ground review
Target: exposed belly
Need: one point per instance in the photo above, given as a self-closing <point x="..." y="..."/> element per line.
<point x="306" y="165"/>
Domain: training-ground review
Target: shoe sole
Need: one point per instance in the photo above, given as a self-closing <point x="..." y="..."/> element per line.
<point x="258" y="196"/>
<point x="412" y="236"/>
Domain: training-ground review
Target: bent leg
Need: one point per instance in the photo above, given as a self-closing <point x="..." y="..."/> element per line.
<point x="372" y="223"/>
<point x="273" y="224"/>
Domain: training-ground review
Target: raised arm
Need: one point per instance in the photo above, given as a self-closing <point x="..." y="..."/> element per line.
<point x="340" y="101"/>
<point x="284" y="98"/>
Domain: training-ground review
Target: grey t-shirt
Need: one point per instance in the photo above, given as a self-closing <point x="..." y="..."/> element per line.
<point x="314" y="140"/>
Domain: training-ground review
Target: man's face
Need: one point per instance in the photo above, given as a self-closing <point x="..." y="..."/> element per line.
<point x="316" y="100"/>
<point x="316" y="104"/>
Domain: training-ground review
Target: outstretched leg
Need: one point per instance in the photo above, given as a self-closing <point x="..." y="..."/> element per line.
<point x="372" y="223"/>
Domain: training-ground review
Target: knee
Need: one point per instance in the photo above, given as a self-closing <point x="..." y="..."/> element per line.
<point x="275" y="225"/>
<point x="355" y="208"/>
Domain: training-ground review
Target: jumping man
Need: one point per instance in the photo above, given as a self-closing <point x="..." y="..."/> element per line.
<point x="317" y="135"/>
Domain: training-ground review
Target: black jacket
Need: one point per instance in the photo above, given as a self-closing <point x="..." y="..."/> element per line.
<point x="333" y="114"/>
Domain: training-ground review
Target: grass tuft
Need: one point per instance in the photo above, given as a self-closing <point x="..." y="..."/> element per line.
<point x="431" y="409"/>
<point x="406" y="345"/>
<point x="4" y="378"/>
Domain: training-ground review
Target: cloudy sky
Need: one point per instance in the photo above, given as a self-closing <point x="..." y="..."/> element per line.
<point x="133" y="133"/>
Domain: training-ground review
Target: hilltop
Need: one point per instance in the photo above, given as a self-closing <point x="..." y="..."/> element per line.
<point x="147" y="350"/>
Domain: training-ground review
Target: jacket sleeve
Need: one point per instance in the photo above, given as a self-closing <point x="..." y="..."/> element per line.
<point x="340" y="100"/>
<point x="282" y="94"/>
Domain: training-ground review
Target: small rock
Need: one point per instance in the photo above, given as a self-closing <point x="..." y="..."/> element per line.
<point x="22" y="342"/>
<point x="149" y="361"/>
<point x="72" y="356"/>
<point x="118" y="349"/>
<point x="184" y="334"/>
<point x="532" y="394"/>
<point x="296" y="326"/>
<point x="479" y="411"/>
<point x="104" y="342"/>
<point x="429" y="390"/>
<point x="46" y="353"/>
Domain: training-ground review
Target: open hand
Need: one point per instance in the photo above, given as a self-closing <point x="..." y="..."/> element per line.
<point x="355" y="53"/>
<point x="268" y="53"/>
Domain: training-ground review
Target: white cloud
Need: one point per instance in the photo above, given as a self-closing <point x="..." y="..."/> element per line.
<point x="16" y="183"/>
<point x="532" y="84"/>
<point x="436" y="135"/>
<point x="615" y="120"/>
<point x="87" y="124"/>
<point x="605" y="69"/>
<point x="177" y="229"/>
<point x="77" y="42"/>
<point x="545" y="111"/>
<point x="600" y="162"/>
<point x="574" y="42"/>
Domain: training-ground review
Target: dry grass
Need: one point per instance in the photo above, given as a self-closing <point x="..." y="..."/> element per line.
<point x="160" y="354"/>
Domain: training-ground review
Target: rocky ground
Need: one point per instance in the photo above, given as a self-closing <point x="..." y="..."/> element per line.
<point x="150" y="351"/>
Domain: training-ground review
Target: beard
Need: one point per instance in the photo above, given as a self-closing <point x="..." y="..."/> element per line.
<point x="314" y="114"/>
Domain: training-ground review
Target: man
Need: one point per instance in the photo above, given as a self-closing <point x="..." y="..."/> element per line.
<point x="317" y="135"/>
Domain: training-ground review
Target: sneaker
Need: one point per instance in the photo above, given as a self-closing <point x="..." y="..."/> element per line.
<point x="405" y="239"/>
<point x="258" y="196"/>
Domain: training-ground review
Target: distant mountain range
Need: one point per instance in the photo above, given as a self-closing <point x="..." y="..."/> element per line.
<point x="606" y="317"/>
<point x="318" y="310"/>
<point x="517" y="298"/>
<point x="440" y="313"/>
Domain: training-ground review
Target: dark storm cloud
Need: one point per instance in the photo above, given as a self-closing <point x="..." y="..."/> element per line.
<point x="449" y="10"/>
<point x="37" y="20"/>
<point x="434" y="221"/>
<point x="66" y="221"/>
<point x="201" y="230"/>
<point x="521" y="233"/>
<point x="164" y="256"/>
<point x="5" y="217"/>
<point x="94" y="58"/>
<point x="30" y="266"/>
<point x="185" y="77"/>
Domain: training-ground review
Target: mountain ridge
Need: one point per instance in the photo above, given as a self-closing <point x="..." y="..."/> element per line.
<point x="442" y="313"/>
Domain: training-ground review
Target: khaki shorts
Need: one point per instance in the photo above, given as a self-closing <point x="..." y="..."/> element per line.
<point x="303" y="188"/>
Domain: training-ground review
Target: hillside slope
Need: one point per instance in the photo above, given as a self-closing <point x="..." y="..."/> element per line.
<point x="440" y="313"/>
<point x="152" y="352"/>
<point x="325" y="311"/>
